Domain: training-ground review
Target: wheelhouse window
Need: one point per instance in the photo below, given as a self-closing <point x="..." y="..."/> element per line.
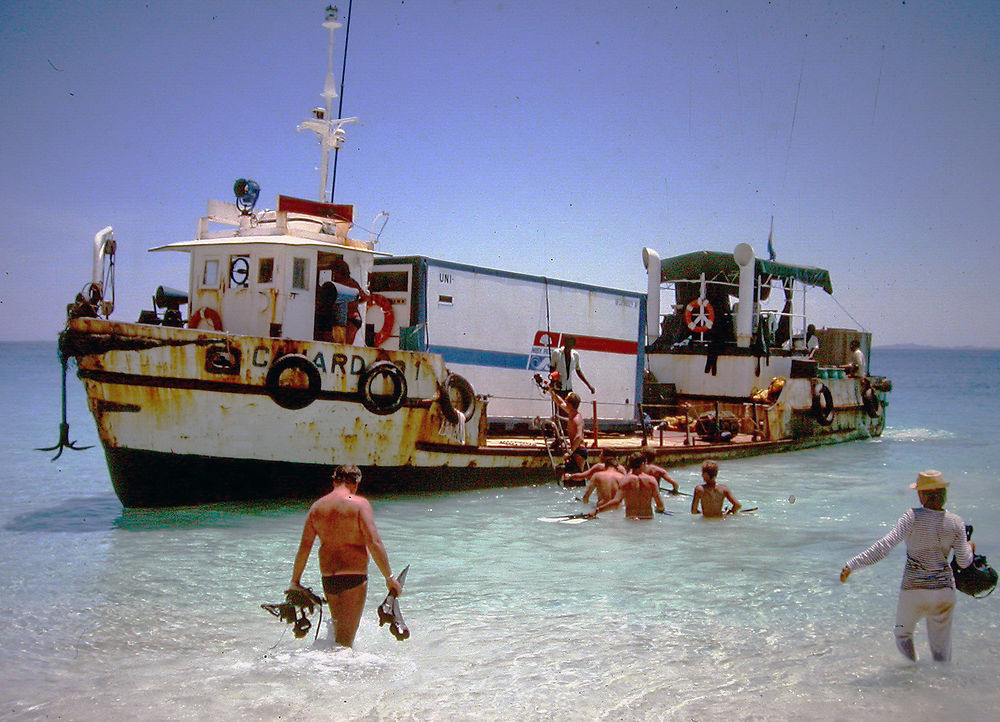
<point x="210" y="273"/>
<point x="300" y="274"/>
<point x="265" y="270"/>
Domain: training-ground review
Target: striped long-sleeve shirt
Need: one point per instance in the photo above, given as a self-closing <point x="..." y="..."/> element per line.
<point x="929" y="535"/>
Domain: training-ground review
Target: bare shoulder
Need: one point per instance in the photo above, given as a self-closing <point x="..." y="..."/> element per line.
<point x="360" y="503"/>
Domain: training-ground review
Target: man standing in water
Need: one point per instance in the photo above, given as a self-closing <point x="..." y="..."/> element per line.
<point x="345" y="525"/>
<point x="603" y="477"/>
<point x="710" y="496"/>
<point x="657" y="472"/>
<point x="639" y="490"/>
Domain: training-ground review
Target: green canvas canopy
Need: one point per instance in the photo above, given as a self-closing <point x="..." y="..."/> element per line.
<point x="719" y="266"/>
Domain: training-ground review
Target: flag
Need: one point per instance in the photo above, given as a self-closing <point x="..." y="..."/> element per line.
<point x="770" y="241"/>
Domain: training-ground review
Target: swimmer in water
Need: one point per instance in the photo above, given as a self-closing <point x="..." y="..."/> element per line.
<point x="710" y="496"/>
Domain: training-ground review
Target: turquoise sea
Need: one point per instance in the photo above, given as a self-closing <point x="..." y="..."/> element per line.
<point x="119" y="614"/>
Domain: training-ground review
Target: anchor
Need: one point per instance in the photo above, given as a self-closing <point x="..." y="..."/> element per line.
<point x="64" y="440"/>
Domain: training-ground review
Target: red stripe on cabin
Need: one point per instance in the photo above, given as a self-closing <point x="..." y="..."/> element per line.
<point x="588" y="343"/>
<point x="333" y="211"/>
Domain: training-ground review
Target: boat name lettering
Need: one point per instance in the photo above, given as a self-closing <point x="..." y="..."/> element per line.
<point x="353" y="365"/>
<point x="444" y="277"/>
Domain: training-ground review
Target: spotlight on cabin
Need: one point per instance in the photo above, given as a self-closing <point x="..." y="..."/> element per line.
<point x="170" y="299"/>
<point x="246" y="192"/>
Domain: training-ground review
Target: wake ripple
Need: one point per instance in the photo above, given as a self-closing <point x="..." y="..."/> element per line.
<point x="917" y="434"/>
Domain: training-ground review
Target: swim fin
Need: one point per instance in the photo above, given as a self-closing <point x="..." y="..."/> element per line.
<point x="388" y="611"/>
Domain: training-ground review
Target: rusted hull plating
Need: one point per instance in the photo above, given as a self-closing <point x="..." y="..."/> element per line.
<point x="189" y="417"/>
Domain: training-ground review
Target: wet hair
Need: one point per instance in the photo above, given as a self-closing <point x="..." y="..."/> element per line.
<point x="347" y="474"/>
<point x="648" y="456"/>
<point x="711" y="468"/>
<point x="573" y="399"/>
<point x="636" y="461"/>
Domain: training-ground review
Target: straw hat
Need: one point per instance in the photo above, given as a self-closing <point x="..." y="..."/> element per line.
<point x="927" y="480"/>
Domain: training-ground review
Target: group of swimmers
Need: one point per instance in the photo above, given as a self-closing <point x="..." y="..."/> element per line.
<point x="637" y="484"/>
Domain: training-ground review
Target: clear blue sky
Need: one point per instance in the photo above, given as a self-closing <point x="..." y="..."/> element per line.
<point x="555" y="138"/>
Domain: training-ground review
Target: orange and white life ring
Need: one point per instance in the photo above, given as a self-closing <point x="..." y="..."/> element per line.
<point x="206" y="314"/>
<point x="388" y="317"/>
<point x="699" y="315"/>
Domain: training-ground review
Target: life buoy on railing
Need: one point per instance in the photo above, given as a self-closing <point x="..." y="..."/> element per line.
<point x="288" y="391"/>
<point x="205" y="314"/>
<point x="822" y="404"/>
<point x="871" y="402"/>
<point x="466" y="398"/>
<point x="372" y="384"/>
<point x="388" y="318"/>
<point x="699" y="315"/>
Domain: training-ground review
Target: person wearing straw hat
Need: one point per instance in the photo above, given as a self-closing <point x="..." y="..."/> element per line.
<point x="928" y="588"/>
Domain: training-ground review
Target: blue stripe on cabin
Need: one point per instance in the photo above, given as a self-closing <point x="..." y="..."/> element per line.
<point x="481" y="357"/>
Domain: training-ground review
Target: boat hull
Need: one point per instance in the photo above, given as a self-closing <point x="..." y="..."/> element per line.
<point x="190" y="417"/>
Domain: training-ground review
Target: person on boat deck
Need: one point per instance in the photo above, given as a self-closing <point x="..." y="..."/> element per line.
<point x="605" y="480"/>
<point x="576" y="457"/>
<point x="657" y="472"/>
<point x="345" y="525"/>
<point x="353" y="321"/>
<point x="812" y="343"/>
<point x="858" y="366"/>
<point x="808" y="344"/>
<point x="928" y="588"/>
<point x="639" y="491"/>
<point x="566" y="362"/>
<point x="606" y="462"/>
<point x="710" y="495"/>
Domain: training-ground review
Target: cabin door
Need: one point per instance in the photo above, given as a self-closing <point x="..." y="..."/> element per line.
<point x="395" y="284"/>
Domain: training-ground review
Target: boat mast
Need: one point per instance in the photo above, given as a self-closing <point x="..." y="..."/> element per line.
<point x="329" y="132"/>
<point x="343" y="74"/>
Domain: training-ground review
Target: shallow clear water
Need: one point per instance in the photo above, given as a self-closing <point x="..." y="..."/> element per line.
<point x="155" y="614"/>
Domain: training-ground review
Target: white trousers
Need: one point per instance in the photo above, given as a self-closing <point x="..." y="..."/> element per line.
<point x="937" y="605"/>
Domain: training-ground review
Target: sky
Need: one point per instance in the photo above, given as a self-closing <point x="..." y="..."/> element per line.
<point x="554" y="138"/>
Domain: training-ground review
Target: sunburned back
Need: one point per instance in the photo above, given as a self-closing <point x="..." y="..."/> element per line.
<point x="712" y="498"/>
<point x="638" y="492"/>
<point x="337" y="521"/>
<point x="606" y="484"/>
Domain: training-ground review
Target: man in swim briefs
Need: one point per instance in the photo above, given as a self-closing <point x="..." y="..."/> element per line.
<point x="576" y="459"/>
<point x="638" y="490"/>
<point x="710" y="496"/>
<point x="345" y="525"/>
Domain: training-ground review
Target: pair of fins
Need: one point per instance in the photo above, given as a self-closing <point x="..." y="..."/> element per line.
<point x="388" y="611"/>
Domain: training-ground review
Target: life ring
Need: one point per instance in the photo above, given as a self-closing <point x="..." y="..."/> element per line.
<point x="699" y="315"/>
<point x="871" y="402"/>
<point x="382" y="404"/>
<point x="388" y="317"/>
<point x="466" y="398"/>
<point x="289" y="396"/>
<point x="205" y="314"/>
<point x="822" y="404"/>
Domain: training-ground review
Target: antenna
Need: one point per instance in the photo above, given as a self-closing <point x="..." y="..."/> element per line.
<point x="329" y="132"/>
